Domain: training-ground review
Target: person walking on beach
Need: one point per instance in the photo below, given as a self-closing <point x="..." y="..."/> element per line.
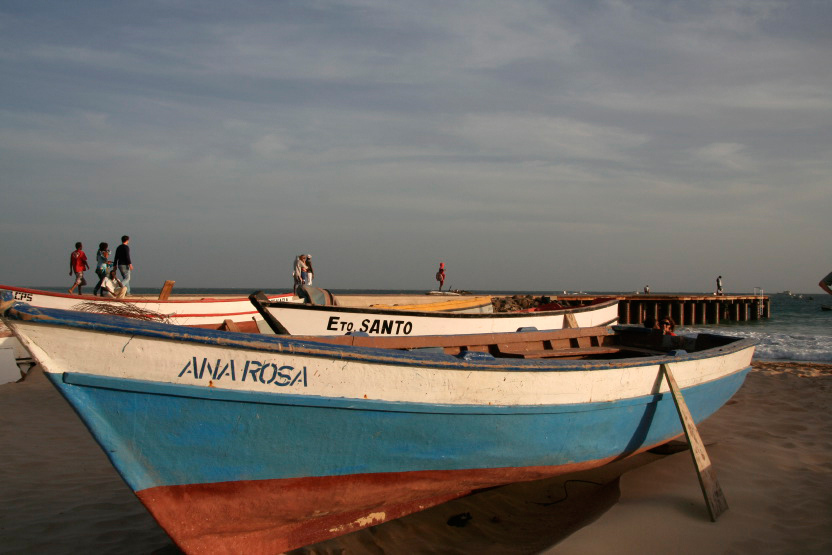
<point x="78" y="265"/>
<point x="310" y="273"/>
<point x="826" y="283"/>
<point x="719" y="286"/>
<point x="440" y="275"/>
<point x="123" y="263"/>
<point x="102" y="265"/>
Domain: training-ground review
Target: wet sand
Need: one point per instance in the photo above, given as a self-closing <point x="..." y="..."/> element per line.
<point x="771" y="447"/>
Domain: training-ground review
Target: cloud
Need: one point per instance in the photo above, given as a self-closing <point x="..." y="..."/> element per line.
<point x="727" y="155"/>
<point x="547" y="138"/>
<point x="587" y="131"/>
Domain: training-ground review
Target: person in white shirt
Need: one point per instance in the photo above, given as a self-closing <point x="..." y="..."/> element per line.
<point x="112" y="287"/>
<point x="299" y="272"/>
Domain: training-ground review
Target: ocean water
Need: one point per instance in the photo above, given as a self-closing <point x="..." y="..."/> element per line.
<point x="798" y="329"/>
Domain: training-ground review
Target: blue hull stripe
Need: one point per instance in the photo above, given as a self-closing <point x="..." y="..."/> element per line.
<point x="160" y="434"/>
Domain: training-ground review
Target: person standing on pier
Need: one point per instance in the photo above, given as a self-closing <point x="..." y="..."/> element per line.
<point x="719" y="286"/>
<point x="440" y="275"/>
<point x="826" y="283"/>
<point x="123" y="263"/>
<point x="78" y="265"/>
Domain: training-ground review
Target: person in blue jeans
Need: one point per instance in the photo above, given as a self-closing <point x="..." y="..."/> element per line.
<point x="123" y="263"/>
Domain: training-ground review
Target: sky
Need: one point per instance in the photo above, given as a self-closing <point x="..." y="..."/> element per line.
<point x="529" y="145"/>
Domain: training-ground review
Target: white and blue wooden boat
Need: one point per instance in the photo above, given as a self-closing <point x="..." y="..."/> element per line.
<point x="310" y="319"/>
<point x="243" y="443"/>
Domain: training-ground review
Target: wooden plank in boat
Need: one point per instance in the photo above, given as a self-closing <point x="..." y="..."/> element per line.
<point x="468" y="340"/>
<point x="556" y="353"/>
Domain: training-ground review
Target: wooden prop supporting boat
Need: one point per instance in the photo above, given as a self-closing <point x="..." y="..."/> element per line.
<point x="258" y="444"/>
<point x="307" y="319"/>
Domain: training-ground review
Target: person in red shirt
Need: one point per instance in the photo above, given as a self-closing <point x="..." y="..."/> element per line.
<point x="440" y="275"/>
<point x="78" y="265"/>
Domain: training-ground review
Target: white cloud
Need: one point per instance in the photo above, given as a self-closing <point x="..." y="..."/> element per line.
<point x="727" y="155"/>
<point x="270" y="145"/>
<point x="547" y="138"/>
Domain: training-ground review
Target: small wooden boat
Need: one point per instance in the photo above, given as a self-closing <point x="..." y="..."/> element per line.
<point x="475" y="304"/>
<point x="197" y="312"/>
<point x="480" y="304"/>
<point x="242" y="443"/>
<point x="307" y="319"/>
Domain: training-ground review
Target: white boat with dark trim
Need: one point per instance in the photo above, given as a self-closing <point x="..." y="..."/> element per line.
<point x="307" y="319"/>
<point x="201" y="312"/>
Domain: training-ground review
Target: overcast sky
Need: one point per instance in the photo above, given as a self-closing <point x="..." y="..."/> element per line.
<point x="529" y="145"/>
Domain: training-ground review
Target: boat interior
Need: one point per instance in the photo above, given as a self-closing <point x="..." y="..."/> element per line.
<point x="572" y="343"/>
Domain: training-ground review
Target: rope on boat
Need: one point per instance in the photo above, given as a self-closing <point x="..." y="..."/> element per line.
<point x="123" y="309"/>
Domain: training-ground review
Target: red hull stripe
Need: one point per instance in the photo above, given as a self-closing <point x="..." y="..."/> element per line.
<point x="271" y="516"/>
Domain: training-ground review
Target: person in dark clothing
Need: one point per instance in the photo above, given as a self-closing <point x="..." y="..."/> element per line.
<point x="123" y="263"/>
<point x="102" y="265"/>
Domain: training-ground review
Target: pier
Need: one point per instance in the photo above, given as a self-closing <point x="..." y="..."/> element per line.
<point x="686" y="310"/>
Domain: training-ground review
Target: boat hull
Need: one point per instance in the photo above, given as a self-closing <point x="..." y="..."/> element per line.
<point x="203" y="312"/>
<point x="262" y="444"/>
<point x="329" y="321"/>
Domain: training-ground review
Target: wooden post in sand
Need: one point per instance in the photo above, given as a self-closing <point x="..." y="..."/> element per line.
<point x="166" y="288"/>
<point x="714" y="498"/>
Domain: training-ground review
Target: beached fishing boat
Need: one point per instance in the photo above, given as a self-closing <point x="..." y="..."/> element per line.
<point x="480" y="304"/>
<point x="307" y="319"/>
<point x="202" y="312"/>
<point x="242" y="443"/>
<point x="475" y="304"/>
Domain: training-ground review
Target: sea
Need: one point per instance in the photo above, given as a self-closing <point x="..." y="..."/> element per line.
<point x="798" y="330"/>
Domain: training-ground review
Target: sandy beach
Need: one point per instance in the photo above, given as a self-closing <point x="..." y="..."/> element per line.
<point x="771" y="447"/>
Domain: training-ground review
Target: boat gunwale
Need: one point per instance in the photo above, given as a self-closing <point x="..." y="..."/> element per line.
<point x="287" y="345"/>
